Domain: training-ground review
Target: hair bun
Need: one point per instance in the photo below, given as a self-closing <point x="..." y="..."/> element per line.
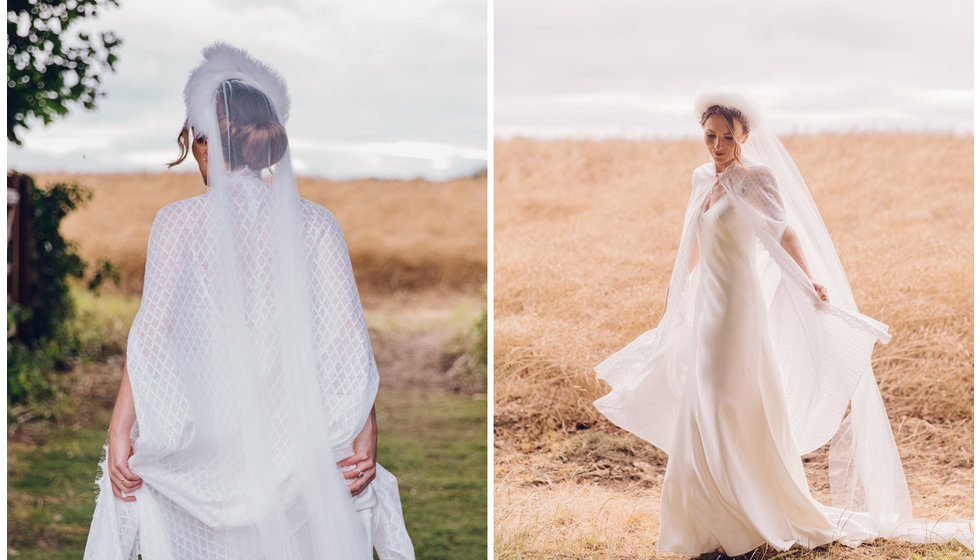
<point x="262" y="143"/>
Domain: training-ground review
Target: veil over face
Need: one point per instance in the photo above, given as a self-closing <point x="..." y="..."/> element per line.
<point x="250" y="362"/>
<point x="820" y="350"/>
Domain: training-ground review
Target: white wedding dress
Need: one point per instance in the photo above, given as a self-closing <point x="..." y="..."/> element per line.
<point x="747" y="371"/>
<point x="250" y="362"/>
<point x="215" y="439"/>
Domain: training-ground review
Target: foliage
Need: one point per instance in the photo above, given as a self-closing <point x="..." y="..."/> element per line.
<point x="469" y="368"/>
<point x="25" y="370"/>
<point x="478" y="347"/>
<point x="51" y="67"/>
<point x="54" y="260"/>
<point x="45" y="338"/>
<point x="104" y="270"/>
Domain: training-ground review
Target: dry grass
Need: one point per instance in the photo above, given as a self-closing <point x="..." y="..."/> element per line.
<point x="402" y="235"/>
<point x="568" y="520"/>
<point x="585" y="235"/>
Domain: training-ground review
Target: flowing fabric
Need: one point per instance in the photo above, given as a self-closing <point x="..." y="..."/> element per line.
<point x="251" y="368"/>
<point x="749" y="369"/>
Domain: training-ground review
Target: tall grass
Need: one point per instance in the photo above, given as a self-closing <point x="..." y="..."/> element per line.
<point x="402" y="235"/>
<point x="585" y="234"/>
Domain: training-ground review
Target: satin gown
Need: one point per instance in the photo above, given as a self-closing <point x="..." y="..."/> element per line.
<point x="734" y="478"/>
<point x="747" y="371"/>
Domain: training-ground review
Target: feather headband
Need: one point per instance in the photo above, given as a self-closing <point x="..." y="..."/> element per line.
<point x="727" y="98"/>
<point x="224" y="62"/>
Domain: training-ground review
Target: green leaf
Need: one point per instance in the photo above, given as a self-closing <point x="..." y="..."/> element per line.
<point x="39" y="50"/>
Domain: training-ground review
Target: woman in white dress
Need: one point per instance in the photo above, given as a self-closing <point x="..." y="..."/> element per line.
<point x="244" y="426"/>
<point x="758" y="357"/>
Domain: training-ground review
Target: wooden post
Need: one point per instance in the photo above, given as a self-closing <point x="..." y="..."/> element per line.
<point x="20" y="212"/>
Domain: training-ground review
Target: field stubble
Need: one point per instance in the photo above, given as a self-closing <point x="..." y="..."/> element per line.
<point x="585" y="234"/>
<point x="403" y="236"/>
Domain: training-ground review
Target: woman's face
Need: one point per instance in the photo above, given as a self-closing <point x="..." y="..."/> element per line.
<point x="720" y="141"/>
<point x="199" y="148"/>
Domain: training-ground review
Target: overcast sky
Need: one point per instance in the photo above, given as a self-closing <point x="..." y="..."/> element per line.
<point x="379" y="88"/>
<point x="631" y="68"/>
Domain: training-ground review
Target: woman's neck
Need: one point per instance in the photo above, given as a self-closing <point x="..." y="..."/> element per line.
<point x="721" y="168"/>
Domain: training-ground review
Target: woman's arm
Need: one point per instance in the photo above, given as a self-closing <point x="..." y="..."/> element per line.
<point x="364" y="458"/>
<point x="790" y="242"/>
<point x="120" y="446"/>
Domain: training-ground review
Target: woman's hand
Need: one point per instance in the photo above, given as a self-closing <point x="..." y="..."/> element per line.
<point x="123" y="480"/>
<point x="120" y="447"/>
<point x="364" y="457"/>
<point x="821" y="291"/>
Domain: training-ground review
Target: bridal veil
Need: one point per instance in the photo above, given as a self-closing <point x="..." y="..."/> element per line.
<point x="250" y="363"/>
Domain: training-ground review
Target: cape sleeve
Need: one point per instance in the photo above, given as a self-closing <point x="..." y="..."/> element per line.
<point x="159" y="392"/>
<point x="759" y="189"/>
<point x="837" y="342"/>
<point x="344" y="358"/>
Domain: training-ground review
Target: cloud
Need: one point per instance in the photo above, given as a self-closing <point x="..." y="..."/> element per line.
<point x="399" y="159"/>
<point x="593" y="68"/>
<point x="369" y="73"/>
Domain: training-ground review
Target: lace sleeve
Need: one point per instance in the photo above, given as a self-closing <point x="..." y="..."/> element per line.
<point x="160" y="275"/>
<point x="761" y="192"/>
<point x="163" y="322"/>
<point x="344" y="357"/>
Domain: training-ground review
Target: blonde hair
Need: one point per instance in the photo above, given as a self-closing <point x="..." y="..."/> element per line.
<point x="730" y="114"/>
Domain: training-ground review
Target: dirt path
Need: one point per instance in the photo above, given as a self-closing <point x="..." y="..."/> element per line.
<point x="418" y="360"/>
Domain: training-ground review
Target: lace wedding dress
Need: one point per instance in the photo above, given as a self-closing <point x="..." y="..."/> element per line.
<point x="249" y="360"/>
<point x="748" y="370"/>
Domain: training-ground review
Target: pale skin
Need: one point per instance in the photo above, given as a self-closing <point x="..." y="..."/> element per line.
<point x="358" y="470"/>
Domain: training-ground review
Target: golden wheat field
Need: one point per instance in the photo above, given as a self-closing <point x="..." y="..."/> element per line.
<point x="585" y="234"/>
<point x="402" y="235"/>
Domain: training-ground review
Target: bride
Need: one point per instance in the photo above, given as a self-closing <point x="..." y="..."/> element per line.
<point x="758" y="356"/>
<point x="244" y="426"/>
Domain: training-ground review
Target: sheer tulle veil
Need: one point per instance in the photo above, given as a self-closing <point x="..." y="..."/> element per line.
<point x="315" y="488"/>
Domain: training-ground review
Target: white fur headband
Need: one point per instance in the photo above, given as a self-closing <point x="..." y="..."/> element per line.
<point x="726" y="98"/>
<point x="224" y="62"/>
